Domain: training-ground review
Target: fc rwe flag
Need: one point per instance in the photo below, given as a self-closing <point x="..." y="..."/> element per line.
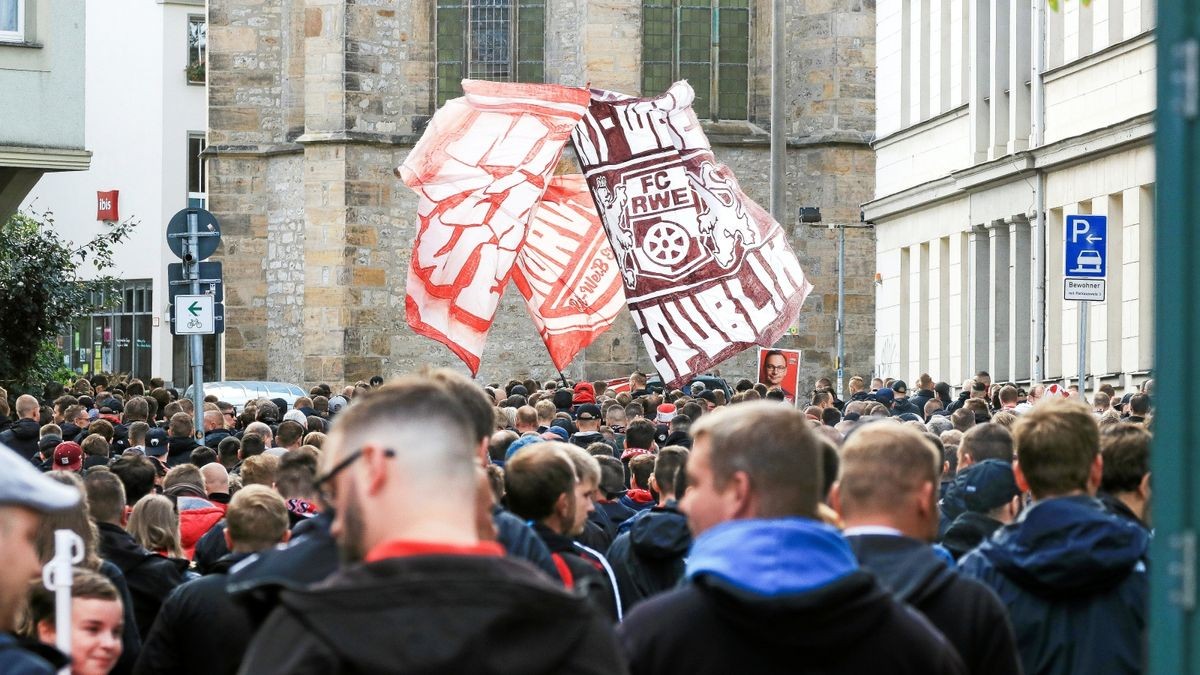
<point x="707" y="272"/>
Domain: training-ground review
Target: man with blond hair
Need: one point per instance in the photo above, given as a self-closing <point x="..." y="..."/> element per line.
<point x="199" y="628"/>
<point x="769" y="588"/>
<point x="886" y="495"/>
<point x="421" y="591"/>
<point x="1072" y="575"/>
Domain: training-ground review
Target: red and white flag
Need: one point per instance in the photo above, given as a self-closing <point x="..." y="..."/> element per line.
<point x="480" y="169"/>
<point x="707" y="272"/>
<point x="566" y="271"/>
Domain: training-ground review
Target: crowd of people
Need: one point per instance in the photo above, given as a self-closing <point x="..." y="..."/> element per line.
<point x="431" y="524"/>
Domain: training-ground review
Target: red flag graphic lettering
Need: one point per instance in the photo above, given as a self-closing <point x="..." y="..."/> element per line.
<point x="566" y="271"/>
<point x="480" y="169"/>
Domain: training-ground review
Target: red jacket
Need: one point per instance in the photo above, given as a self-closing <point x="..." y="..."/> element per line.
<point x="195" y="523"/>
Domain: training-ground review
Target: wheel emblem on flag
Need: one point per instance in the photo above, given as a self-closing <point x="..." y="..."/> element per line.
<point x="666" y="243"/>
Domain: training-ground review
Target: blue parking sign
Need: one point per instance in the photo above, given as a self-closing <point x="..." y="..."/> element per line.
<point x="1085" y="252"/>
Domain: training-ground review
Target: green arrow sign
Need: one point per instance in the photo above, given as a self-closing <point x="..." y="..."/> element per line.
<point x="194" y="308"/>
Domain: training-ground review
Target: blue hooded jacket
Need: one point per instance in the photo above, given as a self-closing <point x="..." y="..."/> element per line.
<point x="782" y="595"/>
<point x="772" y="558"/>
<point x="1074" y="580"/>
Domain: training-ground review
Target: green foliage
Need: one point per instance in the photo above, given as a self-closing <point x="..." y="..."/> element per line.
<point x="1054" y="3"/>
<point x="41" y="291"/>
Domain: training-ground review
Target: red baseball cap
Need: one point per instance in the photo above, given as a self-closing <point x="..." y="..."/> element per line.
<point x="68" y="456"/>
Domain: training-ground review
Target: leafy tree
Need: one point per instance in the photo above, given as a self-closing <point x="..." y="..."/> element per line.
<point x="41" y="292"/>
<point x="1054" y="4"/>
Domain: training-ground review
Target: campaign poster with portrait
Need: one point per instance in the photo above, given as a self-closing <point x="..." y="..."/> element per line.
<point x="780" y="368"/>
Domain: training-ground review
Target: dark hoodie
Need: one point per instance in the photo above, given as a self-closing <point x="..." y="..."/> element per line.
<point x="968" y="531"/>
<point x="779" y="596"/>
<point x="1074" y="580"/>
<point x="22" y="437"/>
<point x="964" y="610"/>
<point x="434" y="614"/>
<point x="648" y="559"/>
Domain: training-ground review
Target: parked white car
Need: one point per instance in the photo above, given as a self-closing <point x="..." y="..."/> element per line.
<point x="240" y="392"/>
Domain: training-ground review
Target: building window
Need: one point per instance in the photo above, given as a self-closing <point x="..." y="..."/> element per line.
<point x="197" y="48"/>
<point x="115" y="339"/>
<point x="197" y="194"/>
<point x="12" y="20"/>
<point x="498" y="40"/>
<point x="707" y="43"/>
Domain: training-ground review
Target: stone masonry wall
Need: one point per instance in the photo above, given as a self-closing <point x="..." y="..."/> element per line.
<point x="314" y="102"/>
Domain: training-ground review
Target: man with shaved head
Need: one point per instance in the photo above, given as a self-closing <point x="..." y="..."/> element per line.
<point x="421" y="588"/>
<point x="22" y="436"/>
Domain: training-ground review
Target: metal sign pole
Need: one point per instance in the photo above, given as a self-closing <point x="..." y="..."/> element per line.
<point x="1083" y="329"/>
<point x="196" y="342"/>
<point x="841" y="314"/>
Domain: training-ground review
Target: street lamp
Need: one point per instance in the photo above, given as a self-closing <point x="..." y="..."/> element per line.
<point x="812" y="216"/>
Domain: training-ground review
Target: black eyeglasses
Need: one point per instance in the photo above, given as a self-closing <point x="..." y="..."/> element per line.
<point x="323" y="494"/>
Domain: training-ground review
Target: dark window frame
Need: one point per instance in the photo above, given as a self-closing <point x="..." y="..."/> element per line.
<point x="461" y="52"/>
<point x="678" y="43"/>
<point x="197" y="49"/>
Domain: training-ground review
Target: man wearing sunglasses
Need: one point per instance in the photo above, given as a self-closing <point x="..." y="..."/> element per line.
<point x="399" y="471"/>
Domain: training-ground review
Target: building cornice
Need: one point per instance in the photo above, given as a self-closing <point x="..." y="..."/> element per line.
<point x="45" y="159"/>
<point x="1087" y="147"/>
<point x="1095" y="58"/>
<point x="922" y="126"/>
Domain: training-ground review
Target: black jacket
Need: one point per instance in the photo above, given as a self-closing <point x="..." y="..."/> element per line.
<point x="179" y="450"/>
<point x="70" y="432"/>
<point x="150" y="577"/>
<point x="616" y="511"/>
<point x="22" y="437"/>
<point x="1118" y="508"/>
<point x="581" y="571"/>
<point x="131" y="637"/>
<point x="968" y="613"/>
<point x="586" y="438"/>
<point x="920" y="398"/>
<point x="257" y="583"/>
<point x="1074" y="580"/>
<point x="91" y="461"/>
<point x="648" y="559"/>
<point x="120" y="441"/>
<point x="902" y="406"/>
<point x="681" y="438"/>
<point x="779" y="596"/>
<point x="968" y="530"/>
<point x="199" y="630"/>
<point x="213" y="438"/>
<point x="599" y="532"/>
<point x="434" y="614"/>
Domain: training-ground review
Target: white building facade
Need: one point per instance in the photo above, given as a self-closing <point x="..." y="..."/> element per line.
<point x="145" y="118"/>
<point x="995" y="121"/>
